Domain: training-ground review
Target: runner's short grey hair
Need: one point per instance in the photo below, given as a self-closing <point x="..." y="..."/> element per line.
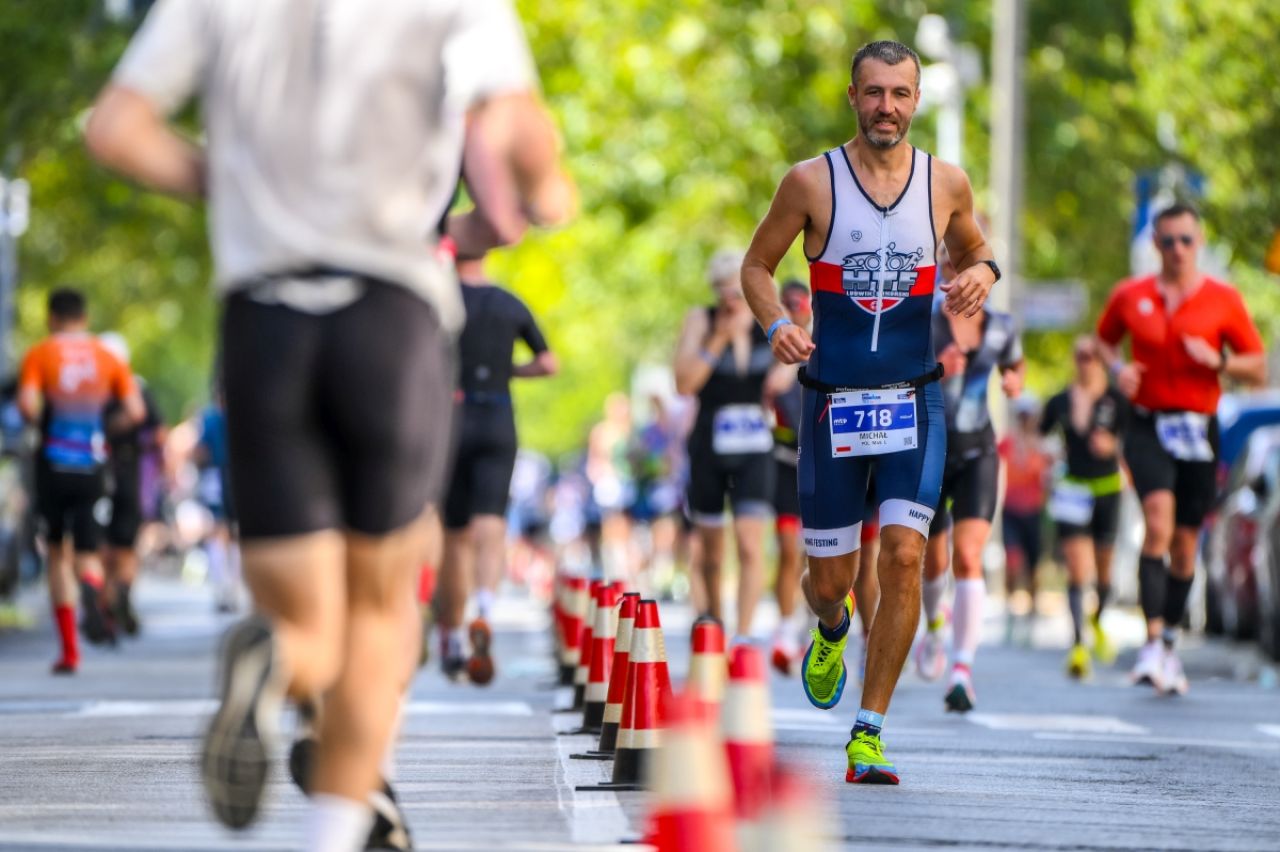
<point x="888" y="52"/>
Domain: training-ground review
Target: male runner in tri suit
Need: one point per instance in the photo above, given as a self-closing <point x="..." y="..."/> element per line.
<point x="724" y="359"/>
<point x="1186" y="331"/>
<point x="969" y="348"/>
<point x="475" y="505"/>
<point x="1090" y="415"/>
<point x="871" y="212"/>
<point x="127" y="441"/>
<point x="65" y="384"/>
<point x="335" y="135"/>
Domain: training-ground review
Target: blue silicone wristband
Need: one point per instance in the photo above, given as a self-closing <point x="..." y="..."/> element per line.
<point x="777" y="324"/>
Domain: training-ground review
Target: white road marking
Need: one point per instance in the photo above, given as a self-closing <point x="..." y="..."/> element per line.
<point x="1247" y="745"/>
<point x="1055" y="723"/>
<point x="204" y="707"/>
<point x="593" y="817"/>
<point x="1270" y="730"/>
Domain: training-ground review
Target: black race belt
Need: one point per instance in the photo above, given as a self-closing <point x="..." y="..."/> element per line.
<point x="918" y="382"/>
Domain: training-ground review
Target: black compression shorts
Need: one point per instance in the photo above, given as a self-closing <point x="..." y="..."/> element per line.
<point x="786" y="490"/>
<point x="339" y="420"/>
<point x="1022" y="532"/>
<point x="67" y="500"/>
<point x="481" y="480"/>
<point x="1193" y="483"/>
<point x="126" y="513"/>
<point x="746" y="480"/>
<point x="1103" y="525"/>
<point x="970" y="488"/>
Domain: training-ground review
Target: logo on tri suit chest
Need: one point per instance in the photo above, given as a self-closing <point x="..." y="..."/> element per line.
<point x="879" y="282"/>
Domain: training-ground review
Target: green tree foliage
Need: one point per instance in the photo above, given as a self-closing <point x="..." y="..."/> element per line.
<point x="678" y="121"/>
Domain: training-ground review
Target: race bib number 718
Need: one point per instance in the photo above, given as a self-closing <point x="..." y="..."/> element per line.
<point x="872" y="423"/>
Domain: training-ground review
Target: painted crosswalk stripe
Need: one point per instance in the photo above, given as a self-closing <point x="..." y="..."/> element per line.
<point x="1055" y="722"/>
<point x="1270" y="730"/>
<point x="1247" y="745"/>
<point x="205" y="706"/>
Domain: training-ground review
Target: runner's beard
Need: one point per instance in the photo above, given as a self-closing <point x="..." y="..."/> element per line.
<point x="881" y="140"/>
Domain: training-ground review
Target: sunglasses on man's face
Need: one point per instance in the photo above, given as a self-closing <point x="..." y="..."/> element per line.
<point x="1084" y="355"/>
<point x="1169" y="241"/>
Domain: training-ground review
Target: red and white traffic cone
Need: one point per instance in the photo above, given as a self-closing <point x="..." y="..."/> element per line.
<point x="648" y="685"/>
<point x="558" y="592"/>
<point x="748" y="734"/>
<point x="708" y="668"/>
<point x="792" y="819"/>
<point x="693" y="803"/>
<point x="574" y="612"/>
<point x="584" y="658"/>
<point x="602" y="650"/>
<point x="620" y="668"/>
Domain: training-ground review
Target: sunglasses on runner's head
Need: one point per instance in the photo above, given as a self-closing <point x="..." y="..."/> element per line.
<point x="1185" y="239"/>
<point x="1085" y="355"/>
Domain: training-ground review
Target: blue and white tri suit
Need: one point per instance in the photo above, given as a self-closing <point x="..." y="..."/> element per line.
<point x="872" y="286"/>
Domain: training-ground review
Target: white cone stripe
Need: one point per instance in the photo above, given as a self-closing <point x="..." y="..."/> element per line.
<point x="623" y="641"/>
<point x="644" y="738"/>
<point x="690" y="772"/>
<point x="647" y="645"/>
<point x="707" y="676"/>
<point x="597" y="692"/>
<point x="613" y="713"/>
<point x="746" y="713"/>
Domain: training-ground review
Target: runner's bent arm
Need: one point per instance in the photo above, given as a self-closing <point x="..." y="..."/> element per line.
<point x="787" y="218"/>
<point x="544" y="362"/>
<point x="128" y="129"/>
<point x="694" y="360"/>
<point x="966" y="245"/>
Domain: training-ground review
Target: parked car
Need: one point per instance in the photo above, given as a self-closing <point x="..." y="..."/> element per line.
<point x="1268" y="562"/>
<point x="1233" y="544"/>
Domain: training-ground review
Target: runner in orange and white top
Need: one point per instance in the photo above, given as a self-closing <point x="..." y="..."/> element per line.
<point x="65" y="384"/>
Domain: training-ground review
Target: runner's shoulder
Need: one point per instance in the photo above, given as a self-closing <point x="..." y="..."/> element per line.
<point x="1134" y="285"/>
<point x="809" y="176"/>
<point x="951" y="180"/>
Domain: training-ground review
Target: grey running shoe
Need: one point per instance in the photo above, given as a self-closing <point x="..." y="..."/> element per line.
<point x="236" y="759"/>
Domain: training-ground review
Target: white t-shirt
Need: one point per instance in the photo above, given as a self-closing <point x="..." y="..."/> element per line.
<point x="335" y="127"/>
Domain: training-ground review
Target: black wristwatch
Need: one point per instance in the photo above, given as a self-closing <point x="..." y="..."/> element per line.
<point x="994" y="268"/>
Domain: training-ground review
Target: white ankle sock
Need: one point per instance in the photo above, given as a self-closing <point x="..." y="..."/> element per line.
<point x="335" y="824"/>
<point x="970" y="595"/>
<point x="484" y="602"/>
<point x="931" y="593"/>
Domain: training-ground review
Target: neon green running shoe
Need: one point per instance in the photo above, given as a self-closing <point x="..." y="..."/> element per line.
<point x="1103" y="650"/>
<point x="1079" y="663"/>
<point x="823" y="668"/>
<point x="866" y="761"/>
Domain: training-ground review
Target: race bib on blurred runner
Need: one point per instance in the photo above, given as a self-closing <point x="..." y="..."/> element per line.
<point x="1071" y="503"/>
<point x="738" y="429"/>
<point x="1185" y="435"/>
<point x="872" y="423"/>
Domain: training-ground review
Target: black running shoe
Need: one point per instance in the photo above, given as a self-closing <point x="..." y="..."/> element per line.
<point x="236" y="759"/>
<point x="302" y="754"/>
<point x="124" y="613"/>
<point x="94" y="623"/>
<point x="390" y="828"/>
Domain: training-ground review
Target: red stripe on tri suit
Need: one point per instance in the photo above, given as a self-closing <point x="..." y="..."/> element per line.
<point x="926" y="276"/>
<point x="826" y="278"/>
